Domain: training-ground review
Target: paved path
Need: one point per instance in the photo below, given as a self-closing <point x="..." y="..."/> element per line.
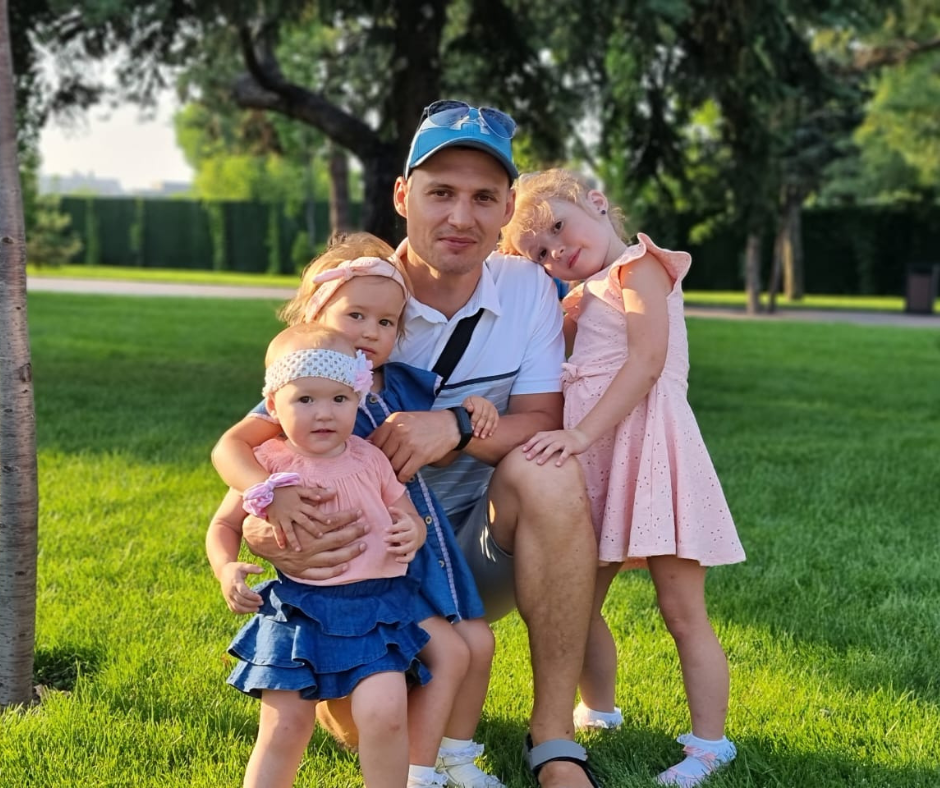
<point x="125" y="288"/>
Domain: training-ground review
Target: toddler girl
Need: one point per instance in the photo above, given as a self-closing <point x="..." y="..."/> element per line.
<point x="357" y="634"/>
<point x="358" y="288"/>
<point x="655" y="498"/>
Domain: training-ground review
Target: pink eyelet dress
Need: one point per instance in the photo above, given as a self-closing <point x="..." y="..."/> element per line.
<point x="652" y="484"/>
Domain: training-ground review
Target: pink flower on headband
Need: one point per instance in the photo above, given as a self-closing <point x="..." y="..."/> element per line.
<point x="331" y="280"/>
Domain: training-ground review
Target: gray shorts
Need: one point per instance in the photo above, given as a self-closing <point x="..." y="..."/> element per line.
<point x="492" y="566"/>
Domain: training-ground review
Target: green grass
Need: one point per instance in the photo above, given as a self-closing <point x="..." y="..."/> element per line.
<point x="825" y="438"/>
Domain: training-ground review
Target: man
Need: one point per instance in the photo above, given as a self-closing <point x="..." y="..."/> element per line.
<point x="525" y="528"/>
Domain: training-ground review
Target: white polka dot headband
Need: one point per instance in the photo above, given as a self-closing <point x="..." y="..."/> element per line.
<point x="353" y="372"/>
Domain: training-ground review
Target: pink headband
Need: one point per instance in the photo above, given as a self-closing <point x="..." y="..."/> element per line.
<point x="330" y="281"/>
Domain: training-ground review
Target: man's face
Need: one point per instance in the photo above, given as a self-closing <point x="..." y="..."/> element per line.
<point x="455" y="205"/>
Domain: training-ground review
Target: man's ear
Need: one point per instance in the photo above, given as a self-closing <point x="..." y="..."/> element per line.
<point x="400" y="196"/>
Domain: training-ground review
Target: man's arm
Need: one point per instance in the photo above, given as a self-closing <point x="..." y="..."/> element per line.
<point x="417" y="438"/>
<point x="319" y="558"/>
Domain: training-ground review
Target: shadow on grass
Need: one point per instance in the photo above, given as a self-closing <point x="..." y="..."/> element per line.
<point x="59" y="668"/>
<point x="632" y="757"/>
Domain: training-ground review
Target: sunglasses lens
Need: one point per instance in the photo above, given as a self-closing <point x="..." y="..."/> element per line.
<point x="447" y="112"/>
<point x="499" y="122"/>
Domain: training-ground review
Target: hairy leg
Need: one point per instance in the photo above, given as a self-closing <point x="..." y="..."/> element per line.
<point x="284" y="730"/>
<point x="429" y="707"/>
<point x="599" y="673"/>
<point x="335" y="716"/>
<point x="468" y="705"/>
<point x="680" y="588"/>
<point x="539" y="513"/>
<point x="380" y="710"/>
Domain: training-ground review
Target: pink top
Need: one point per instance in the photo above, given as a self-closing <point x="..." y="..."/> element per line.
<point x="363" y="479"/>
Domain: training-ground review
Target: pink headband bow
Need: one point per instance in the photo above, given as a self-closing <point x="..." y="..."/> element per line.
<point x="330" y="281"/>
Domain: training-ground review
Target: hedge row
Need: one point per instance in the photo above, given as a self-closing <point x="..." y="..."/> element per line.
<point x="858" y="250"/>
<point x="225" y="236"/>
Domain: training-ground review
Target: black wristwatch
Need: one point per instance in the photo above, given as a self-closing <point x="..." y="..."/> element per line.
<point x="463" y="426"/>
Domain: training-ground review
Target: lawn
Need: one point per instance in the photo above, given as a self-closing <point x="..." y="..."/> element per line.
<point x="826" y="439"/>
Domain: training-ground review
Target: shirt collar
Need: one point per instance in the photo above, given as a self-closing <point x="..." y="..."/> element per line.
<point x="485" y="296"/>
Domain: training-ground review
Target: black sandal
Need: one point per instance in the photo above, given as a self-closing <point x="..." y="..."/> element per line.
<point x="556" y="750"/>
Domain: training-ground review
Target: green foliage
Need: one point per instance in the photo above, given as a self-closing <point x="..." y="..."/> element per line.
<point x="50" y="240"/>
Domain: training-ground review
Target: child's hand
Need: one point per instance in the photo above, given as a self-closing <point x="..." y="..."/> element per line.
<point x="565" y="443"/>
<point x="287" y="508"/>
<point x="483" y="416"/>
<point x="238" y="596"/>
<point x="404" y="536"/>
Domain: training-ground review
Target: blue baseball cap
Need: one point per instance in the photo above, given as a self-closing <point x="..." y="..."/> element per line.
<point x="448" y="124"/>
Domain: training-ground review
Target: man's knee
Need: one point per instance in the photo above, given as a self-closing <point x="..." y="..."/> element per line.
<point x="542" y="485"/>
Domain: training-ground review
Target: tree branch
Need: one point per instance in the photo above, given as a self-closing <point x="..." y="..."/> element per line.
<point x="264" y="86"/>
<point x="879" y="57"/>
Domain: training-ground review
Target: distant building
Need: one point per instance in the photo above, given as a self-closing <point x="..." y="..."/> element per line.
<point x="164" y="189"/>
<point x="89" y="184"/>
<point x="78" y="183"/>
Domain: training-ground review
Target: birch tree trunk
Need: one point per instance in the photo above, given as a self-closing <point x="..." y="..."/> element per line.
<point x="18" y="489"/>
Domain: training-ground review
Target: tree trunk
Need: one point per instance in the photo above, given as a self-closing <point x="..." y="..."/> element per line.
<point x="18" y="489"/>
<point x="793" y="261"/>
<point x="340" y="219"/>
<point x="752" y="272"/>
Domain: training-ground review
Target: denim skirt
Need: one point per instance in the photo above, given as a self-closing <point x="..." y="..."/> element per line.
<point x="321" y="641"/>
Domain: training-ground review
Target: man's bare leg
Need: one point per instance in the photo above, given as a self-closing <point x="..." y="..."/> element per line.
<point x="540" y="514"/>
<point x="336" y="718"/>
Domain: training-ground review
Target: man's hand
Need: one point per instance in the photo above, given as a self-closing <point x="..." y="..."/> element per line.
<point x="238" y="596"/>
<point x="322" y="555"/>
<point x="415" y="439"/>
<point x="297" y="507"/>
<point x="565" y="443"/>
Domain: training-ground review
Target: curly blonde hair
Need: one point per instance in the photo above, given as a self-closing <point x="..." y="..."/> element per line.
<point x="533" y="212"/>
<point x="341" y="247"/>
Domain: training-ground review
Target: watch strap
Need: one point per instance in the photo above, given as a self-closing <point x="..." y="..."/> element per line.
<point x="464" y="426"/>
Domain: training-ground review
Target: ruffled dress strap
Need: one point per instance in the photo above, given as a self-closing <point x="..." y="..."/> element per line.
<point x="677" y="264"/>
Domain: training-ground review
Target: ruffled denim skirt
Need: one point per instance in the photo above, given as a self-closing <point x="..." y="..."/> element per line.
<point x="321" y="641"/>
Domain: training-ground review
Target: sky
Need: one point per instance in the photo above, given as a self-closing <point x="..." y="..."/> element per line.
<point x="121" y="143"/>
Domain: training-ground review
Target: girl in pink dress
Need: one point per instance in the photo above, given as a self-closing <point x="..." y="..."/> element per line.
<point x="655" y="498"/>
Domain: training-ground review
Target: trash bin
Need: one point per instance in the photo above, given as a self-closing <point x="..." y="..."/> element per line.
<point x="922" y="282"/>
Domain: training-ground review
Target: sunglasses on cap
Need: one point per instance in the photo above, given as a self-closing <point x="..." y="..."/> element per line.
<point x="450" y="114"/>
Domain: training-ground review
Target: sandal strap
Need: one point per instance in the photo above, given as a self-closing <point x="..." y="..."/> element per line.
<point x="556" y="750"/>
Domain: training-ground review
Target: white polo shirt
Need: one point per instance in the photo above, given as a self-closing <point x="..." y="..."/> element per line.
<point x="516" y="348"/>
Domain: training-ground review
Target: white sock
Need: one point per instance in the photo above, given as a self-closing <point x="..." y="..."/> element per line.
<point x="705" y="744"/>
<point x="421" y="775"/>
<point x="455" y="744"/>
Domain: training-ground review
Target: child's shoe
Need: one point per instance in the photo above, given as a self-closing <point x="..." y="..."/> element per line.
<point x="586" y="718"/>
<point x="460" y="769"/>
<point x="703" y="758"/>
